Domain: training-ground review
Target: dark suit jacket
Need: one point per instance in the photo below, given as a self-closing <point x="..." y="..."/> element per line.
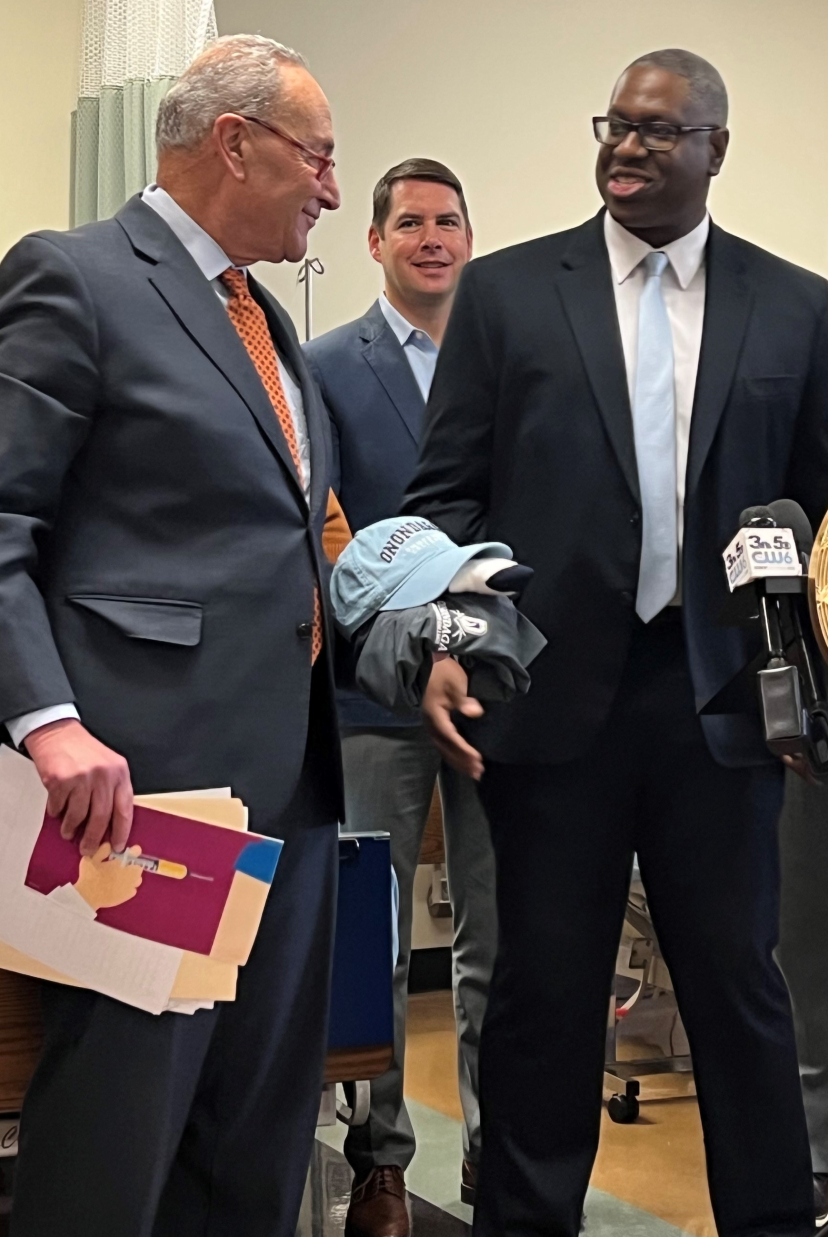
<point x="157" y="555"/>
<point x="529" y="440"/>
<point x="376" y="411"/>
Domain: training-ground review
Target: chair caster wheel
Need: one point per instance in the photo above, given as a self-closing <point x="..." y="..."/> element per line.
<point x="625" y="1109"/>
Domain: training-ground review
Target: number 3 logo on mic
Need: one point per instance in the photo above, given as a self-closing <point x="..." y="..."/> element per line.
<point x="756" y="553"/>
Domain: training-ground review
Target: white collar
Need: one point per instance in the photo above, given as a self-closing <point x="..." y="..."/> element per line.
<point x="401" y="327"/>
<point x="626" y="251"/>
<point x="207" y="254"/>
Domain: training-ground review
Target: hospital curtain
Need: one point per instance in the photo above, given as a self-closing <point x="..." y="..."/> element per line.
<point x="131" y="53"/>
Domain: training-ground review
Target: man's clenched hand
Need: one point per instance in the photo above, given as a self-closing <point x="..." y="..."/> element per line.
<point x="89" y="785"/>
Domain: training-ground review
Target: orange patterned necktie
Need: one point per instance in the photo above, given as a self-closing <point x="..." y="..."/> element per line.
<point x="250" y="322"/>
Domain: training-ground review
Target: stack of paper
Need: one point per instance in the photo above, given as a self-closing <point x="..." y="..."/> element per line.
<point x="164" y="926"/>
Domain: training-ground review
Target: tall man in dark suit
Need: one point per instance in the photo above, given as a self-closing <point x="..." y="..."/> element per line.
<point x="375" y="376"/>
<point x="164" y="470"/>
<point x="606" y="402"/>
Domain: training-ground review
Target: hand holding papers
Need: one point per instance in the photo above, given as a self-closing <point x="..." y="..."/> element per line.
<point x="168" y="920"/>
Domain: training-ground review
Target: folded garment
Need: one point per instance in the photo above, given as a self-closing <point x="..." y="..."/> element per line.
<point x="492" y="641"/>
<point x="396" y="564"/>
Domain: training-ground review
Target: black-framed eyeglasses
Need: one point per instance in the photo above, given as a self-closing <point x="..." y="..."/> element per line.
<point x="652" y="134"/>
<point x="323" y="165"/>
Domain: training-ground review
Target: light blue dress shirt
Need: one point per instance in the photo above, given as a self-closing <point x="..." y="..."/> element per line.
<point x="419" y="348"/>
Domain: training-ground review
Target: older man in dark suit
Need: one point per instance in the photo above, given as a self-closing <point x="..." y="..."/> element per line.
<point x="375" y="374"/>
<point x="164" y="470"/>
<point x="607" y="401"/>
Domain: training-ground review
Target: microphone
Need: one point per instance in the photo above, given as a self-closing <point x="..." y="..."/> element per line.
<point x="789" y="514"/>
<point x="791" y="685"/>
<point x="757" y="517"/>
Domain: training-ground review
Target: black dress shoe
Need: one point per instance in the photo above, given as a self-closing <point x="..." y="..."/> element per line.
<point x="821" y="1199"/>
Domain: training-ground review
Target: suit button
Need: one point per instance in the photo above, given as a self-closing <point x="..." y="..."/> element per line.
<point x="304" y="631"/>
<point x="635" y="518"/>
<point x="627" y="597"/>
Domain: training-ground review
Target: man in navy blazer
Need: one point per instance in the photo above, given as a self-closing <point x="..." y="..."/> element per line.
<point x="375" y="375"/>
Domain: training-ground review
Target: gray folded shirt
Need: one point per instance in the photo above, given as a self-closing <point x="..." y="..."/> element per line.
<point x="492" y="641"/>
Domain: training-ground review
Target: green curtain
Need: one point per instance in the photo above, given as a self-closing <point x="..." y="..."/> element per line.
<point x="131" y="53"/>
<point x="113" y="147"/>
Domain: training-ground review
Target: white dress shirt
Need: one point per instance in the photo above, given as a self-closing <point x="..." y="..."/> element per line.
<point x="419" y="348"/>
<point x="212" y="261"/>
<point x="683" y="285"/>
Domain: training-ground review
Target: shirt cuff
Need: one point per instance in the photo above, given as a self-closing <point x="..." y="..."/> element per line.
<point x="20" y="727"/>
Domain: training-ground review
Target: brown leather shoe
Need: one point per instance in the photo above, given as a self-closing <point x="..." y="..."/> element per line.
<point x="378" y="1205"/>
<point x="468" y="1183"/>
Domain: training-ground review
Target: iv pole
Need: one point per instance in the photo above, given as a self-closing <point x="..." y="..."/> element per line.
<point x="309" y="268"/>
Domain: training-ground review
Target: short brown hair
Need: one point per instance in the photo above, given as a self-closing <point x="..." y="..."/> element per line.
<point x="414" y="169"/>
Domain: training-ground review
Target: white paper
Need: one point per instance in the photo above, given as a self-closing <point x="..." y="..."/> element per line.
<point x="127" y="968"/>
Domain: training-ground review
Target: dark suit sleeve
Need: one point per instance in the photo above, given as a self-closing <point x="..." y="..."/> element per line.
<point x="807" y="481"/>
<point x="451" y="485"/>
<point x="48" y="388"/>
<point x="316" y="374"/>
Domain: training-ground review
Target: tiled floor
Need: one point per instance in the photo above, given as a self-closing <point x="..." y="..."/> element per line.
<point x="649" y="1178"/>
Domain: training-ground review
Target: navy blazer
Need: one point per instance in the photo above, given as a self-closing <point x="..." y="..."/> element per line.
<point x="376" y="411"/>
<point x="159" y="556"/>
<point x="529" y="440"/>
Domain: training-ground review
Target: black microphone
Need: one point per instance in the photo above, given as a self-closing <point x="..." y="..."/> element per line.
<point x="789" y="514"/>
<point x="791" y="686"/>
<point x="757" y="517"/>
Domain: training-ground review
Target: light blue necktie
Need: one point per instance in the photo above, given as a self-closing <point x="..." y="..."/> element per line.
<point x="654" y="426"/>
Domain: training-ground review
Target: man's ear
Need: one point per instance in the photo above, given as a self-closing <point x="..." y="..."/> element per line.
<point x="375" y="244"/>
<point x="231" y="139"/>
<point x="719" y="140"/>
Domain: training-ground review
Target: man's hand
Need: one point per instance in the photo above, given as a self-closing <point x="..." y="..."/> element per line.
<point x="88" y="784"/>
<point x="801" y="767"/>
<point x="447" y="692"/>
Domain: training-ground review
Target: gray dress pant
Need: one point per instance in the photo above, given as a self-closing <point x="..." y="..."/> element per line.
<point x="389" y="780"/>
<point x="803" y="946"/>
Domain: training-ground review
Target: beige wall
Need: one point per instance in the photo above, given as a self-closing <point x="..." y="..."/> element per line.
<point x="503" y="91"/>
<point x="39" y="41"/>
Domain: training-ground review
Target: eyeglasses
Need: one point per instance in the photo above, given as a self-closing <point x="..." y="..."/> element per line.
<point x="323" y="165"/>
<point x="652" y="134"/>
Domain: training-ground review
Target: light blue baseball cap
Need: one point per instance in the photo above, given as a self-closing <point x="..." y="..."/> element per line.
<point x="398" y="563"/>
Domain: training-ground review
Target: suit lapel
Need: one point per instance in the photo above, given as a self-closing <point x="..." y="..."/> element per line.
<point x="585" y="286"/>
<point x="727" y="309"/>
<point x="178" y="280"/>
<point x="384" y="353"/>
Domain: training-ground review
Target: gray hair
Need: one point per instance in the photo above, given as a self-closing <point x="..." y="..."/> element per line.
<point x="237" y="73"/>
<point x="707" y="89"/>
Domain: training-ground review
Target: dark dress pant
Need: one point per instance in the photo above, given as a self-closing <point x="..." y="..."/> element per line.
<point x="706" y="838"/>
<point x="138" y="1125"/>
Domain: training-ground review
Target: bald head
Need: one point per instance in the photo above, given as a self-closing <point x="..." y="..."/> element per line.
<point x="707" y="95"/>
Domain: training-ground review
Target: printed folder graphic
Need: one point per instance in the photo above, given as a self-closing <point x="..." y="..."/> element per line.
<point x="202" y="888"/>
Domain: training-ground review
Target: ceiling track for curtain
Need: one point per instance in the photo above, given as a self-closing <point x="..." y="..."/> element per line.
<point x="131" y="53"/>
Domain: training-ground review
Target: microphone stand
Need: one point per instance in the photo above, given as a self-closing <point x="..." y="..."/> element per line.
<point x="309" y="268"/>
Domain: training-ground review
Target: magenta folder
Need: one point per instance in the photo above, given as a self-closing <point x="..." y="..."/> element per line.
<point x="186" y="912"/>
